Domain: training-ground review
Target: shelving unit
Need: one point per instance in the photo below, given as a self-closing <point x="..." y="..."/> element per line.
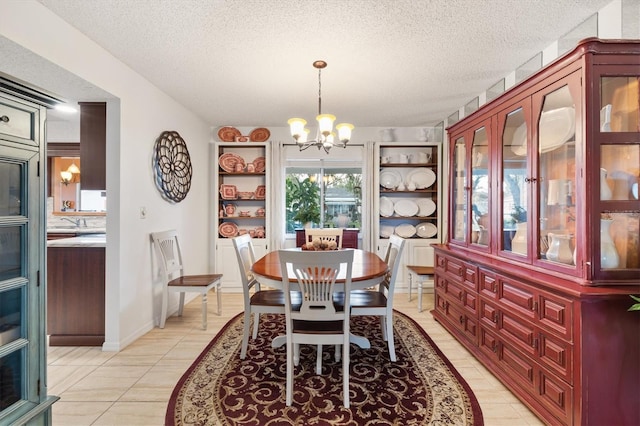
<point x="241" y="197"/>
<point x="408" y="211"/>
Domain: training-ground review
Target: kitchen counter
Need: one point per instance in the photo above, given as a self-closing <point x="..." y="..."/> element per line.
<point x="88" y="240"/>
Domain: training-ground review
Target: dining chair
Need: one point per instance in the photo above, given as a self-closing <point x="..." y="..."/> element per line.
<point x="379" y="302"/>
<point x="317" y="321"/>
<point x="170" y="258"/>
<point x="260" y="301"/>
<point x="324" y="234"/>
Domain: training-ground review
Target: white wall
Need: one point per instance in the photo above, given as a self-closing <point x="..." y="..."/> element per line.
<point x="136" y="116"/>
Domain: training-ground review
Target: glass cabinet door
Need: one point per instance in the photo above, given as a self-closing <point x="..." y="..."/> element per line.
<point x="479" y="188"/>
<point x="515" y="182"/>
<point x="556" y="179"/>
<point x="617" y="253"/>
<point x="459" y="194"/>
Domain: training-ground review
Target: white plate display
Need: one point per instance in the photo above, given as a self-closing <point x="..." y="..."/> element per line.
<point x="386" y="207"/>
<point x="406" y="230"/>
<point x="406" y="208"/>
<point x="390" y="179"/>
<point x="426" y="230"/>
<point x="422" y="177"/>
<point x="426" y="207"/>
<point x="386" y="231"/>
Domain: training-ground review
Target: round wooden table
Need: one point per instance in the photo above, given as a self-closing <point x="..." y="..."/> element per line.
<point x="368" y="270"/>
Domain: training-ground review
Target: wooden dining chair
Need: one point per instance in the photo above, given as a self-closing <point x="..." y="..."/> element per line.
<point x="170" y="258"/>
<point x="256" y="300"/>
<point x="324" y="235"/>
<point x="379" y="302"/>
<point x="317" y="321"/>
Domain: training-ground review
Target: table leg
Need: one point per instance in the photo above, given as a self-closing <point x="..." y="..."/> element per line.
<point x="361" y="341"/>
<point x="410" y="284"/>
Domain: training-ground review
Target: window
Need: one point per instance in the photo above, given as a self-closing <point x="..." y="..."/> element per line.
<point x="328" y="196"/>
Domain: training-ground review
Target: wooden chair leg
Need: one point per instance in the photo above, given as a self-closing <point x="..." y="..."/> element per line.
<point x="219" y="296"/>
<point x="245" y="334"/>
<point x="165" y="302"/>
<point x="390" y="339"/>
<point x="319" y="360"/>
<point x="204" y="311"/>
<point x="256" y="324"/>
<point x="181" y="305"/>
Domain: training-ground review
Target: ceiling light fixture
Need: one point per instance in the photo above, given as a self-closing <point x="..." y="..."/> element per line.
<point x="325" y="137"/>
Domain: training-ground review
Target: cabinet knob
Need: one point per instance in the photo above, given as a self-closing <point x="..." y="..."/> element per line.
<point x="4" y="119"/>
<point x="461" y="319"/>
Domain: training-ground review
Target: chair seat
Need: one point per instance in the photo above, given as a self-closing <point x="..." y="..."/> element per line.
<point x="275" y="298"/>
<point x="195" y="280"/>
<point x="362" y="298"/>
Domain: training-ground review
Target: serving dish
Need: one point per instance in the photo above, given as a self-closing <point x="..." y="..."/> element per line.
<point x="260" y="134"/>
<point x="228" y="229"/>
<point x="406" y="208"/>
<point x="229" y="160"/>
<point x="421" y="177"/>
<point x="426" y="230"/>
<point x="386" y="231"/>
<point x="556" y="127"/>
<point x="260" y="192"/>
<point x="426" y="207"/>
<point x="386" y="207"/>
<point x="245" y="195"/>
<point x="228" y="192"/>
<point x="406" y="230"/>
<point x="228" y="133"/>
<point x="259" y="164"/>
<point x="390" y="179"/>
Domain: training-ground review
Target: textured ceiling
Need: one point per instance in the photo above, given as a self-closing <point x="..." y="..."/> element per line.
<point x="392" y="63"/>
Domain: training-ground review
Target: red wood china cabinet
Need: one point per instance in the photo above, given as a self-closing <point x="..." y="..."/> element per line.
<point x="543" y="244"/>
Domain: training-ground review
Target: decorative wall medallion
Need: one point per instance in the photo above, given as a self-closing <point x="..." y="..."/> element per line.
<point x="172" y="166"/>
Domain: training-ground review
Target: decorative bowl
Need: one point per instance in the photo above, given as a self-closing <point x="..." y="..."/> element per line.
<point x="245" y="195"/>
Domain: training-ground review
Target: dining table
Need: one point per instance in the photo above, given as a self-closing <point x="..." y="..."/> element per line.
<point x="368" y="270"/>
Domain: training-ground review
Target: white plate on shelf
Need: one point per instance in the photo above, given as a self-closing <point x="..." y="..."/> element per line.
<point x="386" y="207"/>
<point x="406" y="208"/>
<point x="557" y="126"/>
<point x="426" y="207"/>
<point x="390" y="179"/>
<point x="426" y="230"/>
<point x="421" y="177"/>
<point x="406" y="230"/>
<point x="386" y="231"/>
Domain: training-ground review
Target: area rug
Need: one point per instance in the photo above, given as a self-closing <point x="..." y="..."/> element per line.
<point x="420" y="388"/>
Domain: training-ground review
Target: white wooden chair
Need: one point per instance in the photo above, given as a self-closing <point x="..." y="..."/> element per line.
<point x="379" y="302"/>
<point x="170" y="258"/>
<point x="317" y="321"/>
<point x="261" y="301"/>
<point x="324" y="234"/>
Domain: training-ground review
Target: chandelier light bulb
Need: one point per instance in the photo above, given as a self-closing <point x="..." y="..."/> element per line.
<point x="325" y="138"/>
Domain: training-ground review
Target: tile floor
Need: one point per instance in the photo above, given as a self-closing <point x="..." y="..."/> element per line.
<point x="132" y="387"/>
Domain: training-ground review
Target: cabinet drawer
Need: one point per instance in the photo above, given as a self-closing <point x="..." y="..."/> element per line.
<point x="556" y="315"/>
<point x="488" y="343"/>
<point x="457" y="316"/>
<point x="18" y="123"/>
<point x="557" y="355"/>
<point x="517" y="296"/>
<point x="488" y="314"/>
<point x="556" y="395"/>
<point x="518" y="332"/>
<point x="488" y="286"/>
<point x="465" y="272"/>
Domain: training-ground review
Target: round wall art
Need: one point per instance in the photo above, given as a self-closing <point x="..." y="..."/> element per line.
<point x="172" y="166"/>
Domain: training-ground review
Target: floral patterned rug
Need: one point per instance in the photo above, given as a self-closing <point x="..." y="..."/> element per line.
<point x="420" y="388"/>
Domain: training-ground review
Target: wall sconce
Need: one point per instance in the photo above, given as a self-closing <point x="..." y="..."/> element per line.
<point x="67" y="175"/>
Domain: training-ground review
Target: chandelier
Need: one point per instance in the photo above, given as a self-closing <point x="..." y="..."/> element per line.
<point x="325" y="137"/>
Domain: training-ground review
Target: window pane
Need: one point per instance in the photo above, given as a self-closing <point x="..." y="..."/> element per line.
<point x="326" y="197"/>
<point x="10" y="189"/>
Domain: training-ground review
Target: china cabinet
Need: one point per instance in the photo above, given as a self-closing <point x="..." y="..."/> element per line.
<point x="241" y="182"/>
<point x="23" y="347"/>
<point x="543" y="244"/>
<point x="408" y="200"/>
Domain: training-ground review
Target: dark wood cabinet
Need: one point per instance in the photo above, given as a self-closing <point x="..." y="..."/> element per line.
<point x="542" y="249"/>
<point x="76" y="296"/>
<point x="93" y="145"/>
